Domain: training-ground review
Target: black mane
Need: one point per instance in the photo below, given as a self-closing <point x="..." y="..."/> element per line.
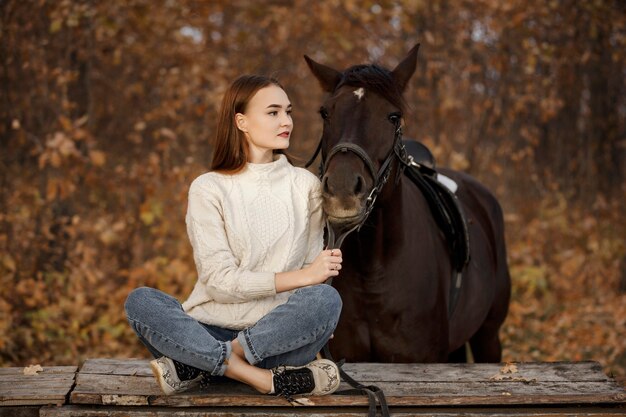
<point x="375" y="78"/>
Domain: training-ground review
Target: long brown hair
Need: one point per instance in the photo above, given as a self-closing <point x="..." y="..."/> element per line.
<point x="231" y="150"/>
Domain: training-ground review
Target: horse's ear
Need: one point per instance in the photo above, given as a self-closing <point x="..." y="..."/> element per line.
<point x="405" y="69"/>
<point x="328" y="77"/>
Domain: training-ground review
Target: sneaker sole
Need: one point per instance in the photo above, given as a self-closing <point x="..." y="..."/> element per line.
<point x="158" y="374"/>
<point x="333" y="365"/>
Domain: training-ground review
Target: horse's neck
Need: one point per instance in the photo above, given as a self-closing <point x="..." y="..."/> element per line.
<point x="381" y="237"/>
<point x="399" y="236"/>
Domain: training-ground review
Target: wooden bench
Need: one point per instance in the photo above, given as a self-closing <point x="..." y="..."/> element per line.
<point x="126" y="387"/>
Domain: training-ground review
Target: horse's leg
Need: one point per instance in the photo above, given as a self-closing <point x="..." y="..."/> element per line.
<point x="486" y="347"/>
<point x="485" y="343"/>
<point x="459" y="355"/>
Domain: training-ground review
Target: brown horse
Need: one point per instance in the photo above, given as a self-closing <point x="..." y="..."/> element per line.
<point x="396" y="275"/>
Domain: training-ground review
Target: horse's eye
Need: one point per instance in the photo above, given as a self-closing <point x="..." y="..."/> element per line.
<point x="395" y="117"/>
<point x="324" y="113"/>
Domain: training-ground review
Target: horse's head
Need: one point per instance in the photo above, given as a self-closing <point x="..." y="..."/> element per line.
<point x="362" y="118"/>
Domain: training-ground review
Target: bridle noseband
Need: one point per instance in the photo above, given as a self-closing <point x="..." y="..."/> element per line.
<point x="380" y="178"/>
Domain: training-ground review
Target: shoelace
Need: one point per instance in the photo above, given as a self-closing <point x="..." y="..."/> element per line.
<point x="289" y="382"/>
<point x="206" y="380"/>
<point x="186" y="372"/>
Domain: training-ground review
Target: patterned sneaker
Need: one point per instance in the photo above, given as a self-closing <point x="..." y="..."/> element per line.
<point x="175" y="377"/>
<point x="320" y="377"/>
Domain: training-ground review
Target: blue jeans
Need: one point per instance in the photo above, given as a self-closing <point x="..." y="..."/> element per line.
<point x="291" y="334"/>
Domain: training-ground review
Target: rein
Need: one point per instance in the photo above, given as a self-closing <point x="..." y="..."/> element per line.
<point x="374" y="393"/>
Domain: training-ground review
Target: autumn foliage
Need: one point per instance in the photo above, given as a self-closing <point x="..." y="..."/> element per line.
<point x="107" y="111"/>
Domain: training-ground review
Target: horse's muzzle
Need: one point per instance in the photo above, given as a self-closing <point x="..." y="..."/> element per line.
<point x="343" y="211"/>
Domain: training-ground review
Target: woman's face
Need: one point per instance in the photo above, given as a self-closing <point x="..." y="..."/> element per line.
<point x="266" y="123"/>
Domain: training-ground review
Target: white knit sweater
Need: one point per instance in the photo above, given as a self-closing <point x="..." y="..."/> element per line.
<point x="244" y="228"/>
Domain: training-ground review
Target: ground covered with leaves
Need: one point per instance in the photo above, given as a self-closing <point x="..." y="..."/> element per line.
<point x="569" y="285"/>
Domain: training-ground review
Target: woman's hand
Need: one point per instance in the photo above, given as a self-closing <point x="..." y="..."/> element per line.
<point x="326" y="265"/>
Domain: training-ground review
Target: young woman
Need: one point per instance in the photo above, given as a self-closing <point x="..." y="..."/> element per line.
<point x="259" y="311"/>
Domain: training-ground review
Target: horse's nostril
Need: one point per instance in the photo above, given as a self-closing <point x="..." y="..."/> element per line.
<point x="358" y="188"/>
<point x="325" y="185"/>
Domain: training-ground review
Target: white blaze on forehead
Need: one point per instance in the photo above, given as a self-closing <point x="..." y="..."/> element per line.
<point x="359" y="93"/>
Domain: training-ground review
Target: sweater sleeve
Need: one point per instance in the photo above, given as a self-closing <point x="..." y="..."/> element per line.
<point x="218" y="268"/>
<point x="316" y="223"/>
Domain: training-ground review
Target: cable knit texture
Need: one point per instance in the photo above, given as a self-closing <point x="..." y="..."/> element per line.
<point x="244" y="228"/>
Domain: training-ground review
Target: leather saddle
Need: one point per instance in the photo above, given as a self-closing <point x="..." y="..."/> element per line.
<point x="443" y="203"/>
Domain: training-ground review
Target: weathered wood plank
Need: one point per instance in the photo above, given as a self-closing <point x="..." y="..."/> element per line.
<point x="51" y="386"/>
<point x="82" y="411"/>
<point x="425" y="394"/>
<point x="134" y="367"/>
<point x="545" y="372"/>
<point x="20" y="411"/>
<point x="111" y="382"/>
<point x="550" y="371"/>
<point x="46" y="370"/>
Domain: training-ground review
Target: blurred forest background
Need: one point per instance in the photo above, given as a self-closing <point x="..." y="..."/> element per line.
<point x="107" y="109"/>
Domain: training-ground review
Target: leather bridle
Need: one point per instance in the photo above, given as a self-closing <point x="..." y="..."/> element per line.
<point x="380" y="178"/>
